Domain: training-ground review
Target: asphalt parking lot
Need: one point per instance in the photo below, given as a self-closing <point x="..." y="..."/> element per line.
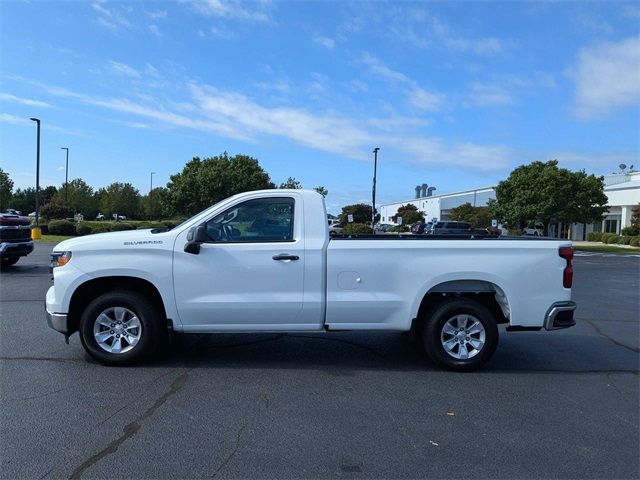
<point x="553" y="405"/>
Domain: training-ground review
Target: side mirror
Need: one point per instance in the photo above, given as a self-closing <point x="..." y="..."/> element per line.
<point x="195" y="237"/>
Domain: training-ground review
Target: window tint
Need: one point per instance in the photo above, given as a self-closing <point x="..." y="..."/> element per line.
<point x="259" y="220"/>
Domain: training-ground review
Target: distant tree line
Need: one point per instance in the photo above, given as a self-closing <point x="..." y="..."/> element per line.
<point x="200" y="184"/>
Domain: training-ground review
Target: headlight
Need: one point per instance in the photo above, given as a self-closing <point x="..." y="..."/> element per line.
<point x="60" y="259"/>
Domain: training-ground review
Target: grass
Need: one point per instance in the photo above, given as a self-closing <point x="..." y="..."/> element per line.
<point x="606" y="249"/>
<point x="54" y="238"/>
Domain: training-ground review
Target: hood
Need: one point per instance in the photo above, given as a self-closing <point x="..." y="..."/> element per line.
<point x="114" y="240"/>
<point x="11" y="219"/>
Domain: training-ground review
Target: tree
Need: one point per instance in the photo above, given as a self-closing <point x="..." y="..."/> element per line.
<point x="54" y="210"/>
<point x="322" y="191"/>
<point x="81" y="198"/>
<point x="409" y="213"/>
<point x="477" y="217"/>
<point x="361" y="213"/>
<point x="6" y="190"/>
<point x="635" y="216"/>
<point x="291" y="183"/>
<point x="155" y="205"/>
<point x="120" y="198"/>
<point x="25" y="199"/>
<point x="542" y="192"/>
<point x="205" y="182"/>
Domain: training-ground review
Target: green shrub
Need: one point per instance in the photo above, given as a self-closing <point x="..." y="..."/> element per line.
<point x="399" y="228"/>
<point x="615" y="239"/>
<point x="635" y="242"/>
<point x="631" y="231"/>
<point x="608" y="237"/>
<point x="594" y="237"/>
<point x="626" y="239"/>
<point x="120" y="226"/>
<point x="61" y="227"/>
<point x="356" y="228"/>
<point x="44" y="228"/>
<point x="100" y="228"/>
<point x="83" y="229"/>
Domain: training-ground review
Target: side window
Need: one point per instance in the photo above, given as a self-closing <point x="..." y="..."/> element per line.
<point x="259" y="220"/>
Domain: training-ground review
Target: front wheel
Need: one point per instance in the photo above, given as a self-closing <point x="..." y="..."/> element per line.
<point x="460" y="335"/>
<point x="9" y="261"/>
<point x="120" y="328"/>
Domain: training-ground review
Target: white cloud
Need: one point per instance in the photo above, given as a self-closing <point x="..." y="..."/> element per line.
<point x="123" y="69"/>
<point x="232" y="9"/>
<point x="155" y="30"/>
<point x="488" y="94"/>
<point x="421" y="28"/>
<point x="416" y="95"/>
<point x="607" y="78"/>
<point x="234" y="115"/>
<point x="157" y="14"/>
<point x="25" y="122"/>
<point x="110" y="18"/>
<point x="7" y="97"/>
<point x="325" y="42"/>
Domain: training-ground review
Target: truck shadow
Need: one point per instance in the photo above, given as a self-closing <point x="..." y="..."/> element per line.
<point x="345" y="353"/>
<point x="28" y="269"/>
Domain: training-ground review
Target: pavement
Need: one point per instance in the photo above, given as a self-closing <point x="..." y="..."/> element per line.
<point x="558" y="404"/>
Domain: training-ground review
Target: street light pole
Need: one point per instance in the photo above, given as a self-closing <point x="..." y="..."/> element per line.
<point x="37" y="120"/>
<point x="66" y="177"/>
<point x="375" y="169"/>
<point x="151" y="187"/>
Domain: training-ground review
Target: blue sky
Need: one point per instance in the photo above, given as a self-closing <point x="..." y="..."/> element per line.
<point x="455" y="94"/>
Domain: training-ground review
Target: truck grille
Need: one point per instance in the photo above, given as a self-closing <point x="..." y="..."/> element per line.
<point x="15" y="234"/>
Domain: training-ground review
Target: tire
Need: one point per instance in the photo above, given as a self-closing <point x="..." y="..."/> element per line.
<point x="446" y="344"/>
<point x="138" y="333"/>
<point x="9" y="261"/>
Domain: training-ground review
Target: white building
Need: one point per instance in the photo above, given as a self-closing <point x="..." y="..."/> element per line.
<point x="438" y="206"/>
<point x="622" y="190"/>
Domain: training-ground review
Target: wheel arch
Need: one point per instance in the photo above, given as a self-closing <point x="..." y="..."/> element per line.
<point x="90" y="289"/>
<point x="486" y="292"/>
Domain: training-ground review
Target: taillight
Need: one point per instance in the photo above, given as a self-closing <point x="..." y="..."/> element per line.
<point x="567" y="274"/>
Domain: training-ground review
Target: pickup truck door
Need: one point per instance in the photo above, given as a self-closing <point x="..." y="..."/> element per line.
<point x="249" y="276"/>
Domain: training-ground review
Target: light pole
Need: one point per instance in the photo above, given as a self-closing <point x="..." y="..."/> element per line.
<point x="37" y="120"/>
<point x="151" y="187"/>
<point x="66" y="178"/>
<point x="375" y="170"/>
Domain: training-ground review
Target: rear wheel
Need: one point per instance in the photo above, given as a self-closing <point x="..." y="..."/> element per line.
<point x="9" y="261"/>
<point x="461" y="335"/>
<point x="120" y="328"/>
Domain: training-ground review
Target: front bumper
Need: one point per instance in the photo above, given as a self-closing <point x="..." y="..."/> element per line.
<point x="12" y="249"/>
<point x="560" y="315"/>
<point x="57" y="321"/>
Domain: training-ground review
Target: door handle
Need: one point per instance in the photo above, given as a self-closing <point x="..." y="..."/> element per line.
<point x="285" y="256"/>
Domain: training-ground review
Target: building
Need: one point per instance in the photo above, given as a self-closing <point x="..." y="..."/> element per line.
<point x="438" y="207"/>
<point x="622" y="190"/>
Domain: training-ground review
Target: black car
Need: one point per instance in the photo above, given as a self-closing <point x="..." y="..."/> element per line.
<point x="421" y="228"/>
<point x="449" y="228"/>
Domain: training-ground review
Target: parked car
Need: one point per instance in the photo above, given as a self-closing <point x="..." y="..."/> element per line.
<point x="531" y="232"/>
<point x="449" y="228"/>
<point x="382" y="227"/>
<point x="123" y="291"/>
<point x="117" y="217"/>
<point x="420" y="228"/>
<point x="15" y="238"/>
<point x="335" y="229"/>
<point x="100" y="216"/>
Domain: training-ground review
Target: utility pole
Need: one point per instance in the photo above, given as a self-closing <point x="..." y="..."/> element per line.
<point x="66" y="178"/>
<point x="375" y="171"/>
<point x="37" y="120"/>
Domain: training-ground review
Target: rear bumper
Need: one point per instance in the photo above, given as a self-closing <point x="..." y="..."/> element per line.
<point x="560" y="315"/>
<point x="13" y="249"/>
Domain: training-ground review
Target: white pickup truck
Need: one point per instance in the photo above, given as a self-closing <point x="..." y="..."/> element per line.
<point x="263" y="261"/>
